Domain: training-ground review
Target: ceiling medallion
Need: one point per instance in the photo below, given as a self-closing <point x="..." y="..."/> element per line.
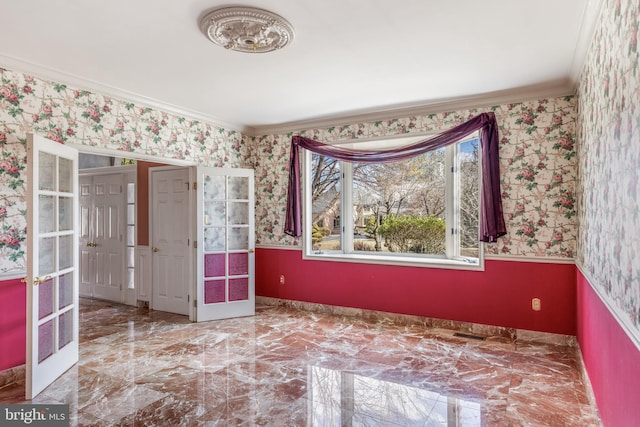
<point x="246" y="29"/>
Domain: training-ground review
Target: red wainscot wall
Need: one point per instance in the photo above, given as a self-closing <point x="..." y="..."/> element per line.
<point x="13" y="321"/>
<point x="500" y="296"/>
<point x="612" y="360"/>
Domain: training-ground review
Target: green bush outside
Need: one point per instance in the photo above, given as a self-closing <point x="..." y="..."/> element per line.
<point x="318" y="233"/>
<point x="413" y="234"/>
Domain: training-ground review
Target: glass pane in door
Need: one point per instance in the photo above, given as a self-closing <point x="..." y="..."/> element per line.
<point x="238" y="188"/>
<point x="214" y="187"/>
<point x="214" y="239"/>
<point x="47" y="255"/>
<point x="238" y="238"/>
<point x="45" y="298"/>
<point x="45" y="340"/>
<point x="65" y="328"/>
<point x="214" y="291"/>
<point x="66" y="252"/>
<point x="47" y="172"/>
<point x="65" y="290"/>
<point x="214" y="265"/>
<point x="238" y="264"/>
<point x="214" y="213"/>
<point x="65" y="213"/>
<point x="238" y="289"/>
<point x="65" y="173"/>
<point x="238" y="212"/>
<point x="46" y="216"/>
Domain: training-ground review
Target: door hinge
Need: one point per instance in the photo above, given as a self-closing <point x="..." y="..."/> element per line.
<point x="121" y="189"/>
<point x="188" y="298"/>
<point x="195" y="244"/>
<point x="195" y="185"/>
<point x="195" y="303"/>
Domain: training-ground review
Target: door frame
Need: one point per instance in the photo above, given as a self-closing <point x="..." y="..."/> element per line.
<point x="87" y="149"/>
<point x="191" y="259"/>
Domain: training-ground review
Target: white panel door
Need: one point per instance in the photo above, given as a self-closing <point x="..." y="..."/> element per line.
<point x="108" y="238"/>
<point x="171" y="257"/>
<point x="52" y="260"/>
<point x="226" y="259"/>
<point x="87" y="265"/>
<point x="102" y="229"/>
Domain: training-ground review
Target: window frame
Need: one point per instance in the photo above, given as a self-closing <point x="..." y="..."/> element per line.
<point x="452" y="259"/>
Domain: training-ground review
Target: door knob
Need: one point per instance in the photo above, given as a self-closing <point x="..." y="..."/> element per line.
<point x="91" y="245"/>
<point x="37" y="280"/>
<point x="155" y="250"/>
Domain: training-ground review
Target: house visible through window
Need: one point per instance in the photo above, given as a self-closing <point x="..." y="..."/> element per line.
<point x="423" y="210"/>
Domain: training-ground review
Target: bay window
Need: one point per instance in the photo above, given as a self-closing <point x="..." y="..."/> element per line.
<point x="421" y="211"/>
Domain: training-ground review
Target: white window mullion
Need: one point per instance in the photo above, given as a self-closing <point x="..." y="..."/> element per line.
<point x="306" y="202"/>
<point x="346" y="207"/>
<point x="452" y="206"/>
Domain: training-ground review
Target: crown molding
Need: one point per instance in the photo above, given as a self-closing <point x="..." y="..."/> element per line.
<point x="562" y="87"/>
<point x="590" y="20"/>
<point x="52" y="74"/>
<point x="548" y="90"/>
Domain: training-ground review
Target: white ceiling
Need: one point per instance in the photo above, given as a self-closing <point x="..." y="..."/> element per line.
<point x="348" y="57"/>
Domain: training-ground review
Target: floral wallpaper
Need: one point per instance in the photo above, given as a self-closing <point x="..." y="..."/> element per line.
<point x="609" y="161"/>
<point x="537" y="160"/>
<point x="68" y="115"/>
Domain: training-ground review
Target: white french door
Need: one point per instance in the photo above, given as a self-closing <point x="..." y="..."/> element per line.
<point x="225" y="285"/>
<point x="52" y="259"/>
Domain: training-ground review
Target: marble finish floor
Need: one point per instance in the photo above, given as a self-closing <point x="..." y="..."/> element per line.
<point x="285" y="367"/>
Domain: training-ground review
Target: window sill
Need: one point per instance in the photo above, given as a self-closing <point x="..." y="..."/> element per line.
<point x="364" y="258"/>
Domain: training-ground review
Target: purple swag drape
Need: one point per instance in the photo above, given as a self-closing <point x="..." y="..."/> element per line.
<point x="492" y="223"/>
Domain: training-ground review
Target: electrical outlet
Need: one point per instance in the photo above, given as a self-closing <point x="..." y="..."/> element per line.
<point x="282" y="279"/>
<point x="536" y="304"/>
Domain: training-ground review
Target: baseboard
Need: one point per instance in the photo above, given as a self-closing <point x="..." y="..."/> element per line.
<point x="587" y="383"/>
<point x="488" y="331"/>
<point x="13" y="375"/>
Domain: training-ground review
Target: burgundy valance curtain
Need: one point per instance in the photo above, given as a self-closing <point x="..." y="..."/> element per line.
<point x="492" y="223"/>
